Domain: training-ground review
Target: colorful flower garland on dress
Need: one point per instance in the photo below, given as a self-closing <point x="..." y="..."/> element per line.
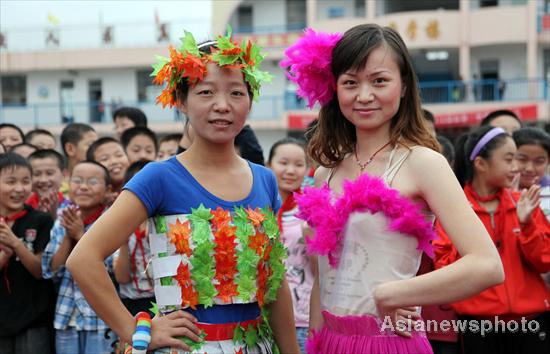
<point x="231" y="257"/>
<point x="366" y="193"/>
<point x="309" y="63"/>
<point x="189" y="63"/>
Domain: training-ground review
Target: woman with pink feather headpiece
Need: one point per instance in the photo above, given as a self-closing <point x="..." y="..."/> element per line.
<point x="380" y="185"/>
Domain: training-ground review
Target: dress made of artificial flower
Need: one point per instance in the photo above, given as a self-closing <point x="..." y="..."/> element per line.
<point x="189" y="63"/>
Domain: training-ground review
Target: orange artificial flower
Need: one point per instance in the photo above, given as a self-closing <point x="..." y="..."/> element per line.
<point x="179" y="235"/>
<point x="257" y="242"/>
<point x="226" y="290"/>
<point x="189" y="297"/>
<point x="255" y="216"/>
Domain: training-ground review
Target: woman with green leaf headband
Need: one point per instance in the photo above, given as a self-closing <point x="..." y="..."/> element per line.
<point x="217" y="258"/>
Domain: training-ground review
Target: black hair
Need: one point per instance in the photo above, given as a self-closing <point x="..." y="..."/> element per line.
<point x="34" y="132"/>
<point x="96" y="144"/>
<point x="73" y="133"/>
<point x="134" y="168"/>
<point x="448" y="149"/>
<point x="284" y="141"/>
<point x="171" y="137"/>
<point x="532" y="136"/>
<point x="249" y="147"/>
<point x="24" y="144"/>
<point x="131" y="133"/>
<point x="12" y="160"/>
<point x="106" y="174"/>
<point x="48" y="153"/>
<point x="464" y="168"/>
<point x="9" y="125"/>
<point x="428" y="115"/>
<point x="501" y="112"/>
<point x="310" y="130"/>
<point x="136" y="115"/>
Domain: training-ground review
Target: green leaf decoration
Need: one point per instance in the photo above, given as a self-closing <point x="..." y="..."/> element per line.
<point x="246" y="286"/>
<point x="270" y="224"/>
<point x="160" y="224"/>
<point x="203" y="272"/>
<point x="189" y="45"/>
<point x="161" y="61"/>
<point x="276" y="257"/>
<point x="154" y="308"/>
<point x="238" y="335"/>
<point x="229" y="31"/>
<point x="223" y="60"/>
<point x="240" y="214"/>
<point x="202" y="213"/>
<point x="195" y="346"/>
<point x="251" y="336"/>
<point x="199" y="219"/>
<point x="247" y="261"/>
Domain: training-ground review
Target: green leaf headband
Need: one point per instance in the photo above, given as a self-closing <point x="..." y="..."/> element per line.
<point x="189" y="63"/>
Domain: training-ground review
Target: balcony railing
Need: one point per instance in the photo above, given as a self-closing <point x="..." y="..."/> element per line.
<point x="483" y="90"/>
<point x="273" y="107"/>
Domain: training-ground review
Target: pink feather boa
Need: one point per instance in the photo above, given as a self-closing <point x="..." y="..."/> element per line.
<point x="364" y="194"/>
<point x="309" y="61"/>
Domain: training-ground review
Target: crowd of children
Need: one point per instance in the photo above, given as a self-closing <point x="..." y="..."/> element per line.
<point x="194" y="237"/>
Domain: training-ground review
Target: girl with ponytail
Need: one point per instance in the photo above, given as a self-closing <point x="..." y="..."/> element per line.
<point x="485" y="167"/>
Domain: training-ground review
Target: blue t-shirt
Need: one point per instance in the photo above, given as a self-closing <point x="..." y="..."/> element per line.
<point x="167" y="188"/>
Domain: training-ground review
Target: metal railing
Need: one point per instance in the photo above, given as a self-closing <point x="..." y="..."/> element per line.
<point x="272" y="107"/>
<point x="483" y="90"/>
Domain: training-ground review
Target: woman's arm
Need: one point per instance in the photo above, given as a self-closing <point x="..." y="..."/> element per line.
<point x="315" y="317"/>
<point x="479" y="266"/>
<point x="85" y="263"/>
<point x="281" y="319"/>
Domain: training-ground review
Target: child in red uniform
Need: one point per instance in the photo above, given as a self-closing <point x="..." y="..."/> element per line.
<point x="485" y="167"/>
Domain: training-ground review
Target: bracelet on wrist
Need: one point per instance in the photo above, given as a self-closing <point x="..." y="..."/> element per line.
<point x="142" y="336"/>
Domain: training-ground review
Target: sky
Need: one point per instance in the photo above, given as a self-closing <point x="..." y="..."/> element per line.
<point x="25" y="20"/>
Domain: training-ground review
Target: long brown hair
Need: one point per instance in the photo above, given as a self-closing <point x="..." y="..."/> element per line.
<point x="334" y="136"/>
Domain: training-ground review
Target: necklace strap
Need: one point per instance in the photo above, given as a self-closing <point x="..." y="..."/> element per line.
<point x="363" y="165"/>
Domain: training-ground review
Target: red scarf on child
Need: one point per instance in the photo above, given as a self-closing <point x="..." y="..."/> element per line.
<point x="92" y="218"/>
<point x="13" y="217"/>
<point x="140" y="237"/>
<point x="288" y="204"/>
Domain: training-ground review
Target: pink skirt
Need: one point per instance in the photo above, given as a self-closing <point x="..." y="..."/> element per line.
<point x="363" y="334"/>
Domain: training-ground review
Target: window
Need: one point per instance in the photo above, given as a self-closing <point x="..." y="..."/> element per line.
<point x="295" y="15"/>
<point x="244" y="18"/>
<point x="487" y="3"/>
<point x="14" y="89"/>
<point x="359" y="8"/>
<point x="146" y="90"/>
<point x="335" y="12"/>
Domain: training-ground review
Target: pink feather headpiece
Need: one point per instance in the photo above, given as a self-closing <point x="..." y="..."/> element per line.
<point x="309" y="61"/>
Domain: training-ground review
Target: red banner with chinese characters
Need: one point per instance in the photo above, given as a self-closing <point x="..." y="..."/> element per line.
<point x="462" y="119"/>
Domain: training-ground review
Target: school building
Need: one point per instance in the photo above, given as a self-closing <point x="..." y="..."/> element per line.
<point x="471" y="57"/>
